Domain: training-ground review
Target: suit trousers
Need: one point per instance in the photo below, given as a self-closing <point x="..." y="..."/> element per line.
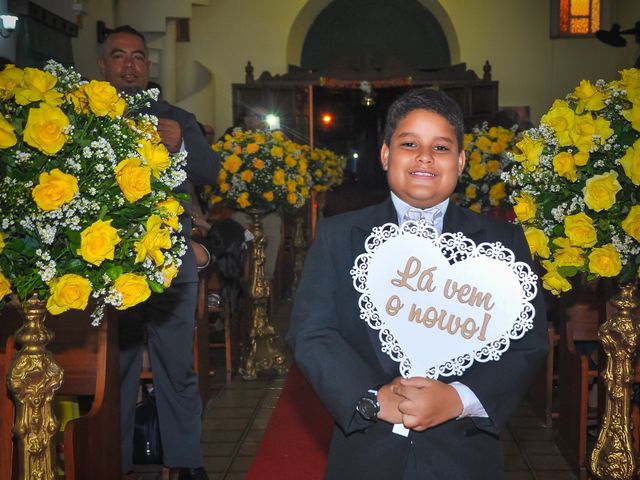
<point x="169" y="319"/>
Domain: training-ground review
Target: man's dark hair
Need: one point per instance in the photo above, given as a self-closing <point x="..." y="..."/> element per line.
<point x="127" y="29"/>
<point x="425" y="99"/>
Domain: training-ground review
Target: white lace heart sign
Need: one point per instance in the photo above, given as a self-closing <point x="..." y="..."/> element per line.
<point x="441" y="302"/>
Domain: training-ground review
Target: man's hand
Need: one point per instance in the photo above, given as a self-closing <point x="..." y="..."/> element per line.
<point x="170" y="134"/>
<point x="426" y="403"/>
<point x="389" y="403"/>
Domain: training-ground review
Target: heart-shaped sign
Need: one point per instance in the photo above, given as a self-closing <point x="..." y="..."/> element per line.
<point x="442" y="302"/>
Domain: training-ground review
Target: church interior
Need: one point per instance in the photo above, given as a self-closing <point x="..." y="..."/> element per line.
<point x="325" y="73"/>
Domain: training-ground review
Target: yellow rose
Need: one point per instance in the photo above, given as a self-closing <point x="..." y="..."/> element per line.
<point x="631" y="162"/>
<point x="133" y="288"/>
<point x="484" y="144"/>
<point x="528" y="152"/>
<point x="470" y="192"/>
<point x="525" y="208"/>
<point x="276" y="151"/>
<point x="7" y="134"/>
<point x="243" y="200"/>
<point x="477" y="170"/>
<point x="278" y="136"/>
<point x="584" y="128"/>
<point x="170" y="210"/>
<point x="553" y="281"/>
<point x="630" y="81"/>
<point x="104" y="99"/>
<point x="258" y="164"/>
<point x="475" y="157"/>
<point x="5" y="286"/>
<point x="565" y="166"/>
<point x="224" y="187"/>
<point x="631" y="224"/>
<point x="133" y="178"/>
<point x="79" y="100"/>
<point x="538" y="242"/>
<point x="232" y="163"/>
<point x="153" y="242"/>
<point x="45" y="129"/>
<point x="290" y="161"/>
<point x="54" y="189"/>
<point x="589" y="98"/>
<point x="67" y="292"/>
<point x="603" y="129"/>
<point x="600" y="191"/>
<point x="169" y="272"/>
<point x="278" y="177"/>
<point x="605" y="261"/>
<point x="580" y="231"/>
<point x="10" y="78"/>
<point x="38" y="86"/>
<point x="568" y="255"/>
<point x="98" y="242"/>
<point x="246" y="176"/>
<point x="466" y="141"/>
<point x="291" y="186"/>
<point x="156" y="156"/>
<point x="252" y="148"/>
<point x="292" y="198"/>
<point x="581" y="158"/>
<point x="633" y="115"/>
<point x="561" y="119"/>
<point x="268" y="196"/>
<point x="475" y="207"/>
<point x="496" y="193"/>
<point x="493" y="166"/>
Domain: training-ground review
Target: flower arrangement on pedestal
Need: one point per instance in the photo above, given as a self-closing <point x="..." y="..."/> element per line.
<point x="85" y="193"/>
<point x="261" y="170"/>
<point x="576" y="181"/>
<point x="480" y="187"/>
<point x="327" y="169"/>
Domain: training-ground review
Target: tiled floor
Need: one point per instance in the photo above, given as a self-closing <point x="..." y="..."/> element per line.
<point x="237" y="416"/>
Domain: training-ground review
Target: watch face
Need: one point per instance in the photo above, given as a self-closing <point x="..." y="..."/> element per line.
<point x="368" y="408"/>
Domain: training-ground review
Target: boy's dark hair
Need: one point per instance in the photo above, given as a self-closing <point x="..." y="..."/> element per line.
<point x="425" y="99"/>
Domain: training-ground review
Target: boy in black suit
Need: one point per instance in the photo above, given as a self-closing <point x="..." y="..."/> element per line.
<point x="454" y="423"/>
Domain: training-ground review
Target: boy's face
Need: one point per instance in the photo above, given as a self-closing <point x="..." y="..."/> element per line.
<point x="423" y="161"/>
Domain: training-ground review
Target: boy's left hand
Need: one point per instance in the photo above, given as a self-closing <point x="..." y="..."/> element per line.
<point x="427" y="402"/>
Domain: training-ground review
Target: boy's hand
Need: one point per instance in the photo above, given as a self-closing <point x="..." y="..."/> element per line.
<point x="426" y="403"/>
<point x="389" y="403"/>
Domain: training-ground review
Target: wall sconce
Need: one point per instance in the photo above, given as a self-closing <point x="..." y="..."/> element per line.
<point x="8" y="25"/>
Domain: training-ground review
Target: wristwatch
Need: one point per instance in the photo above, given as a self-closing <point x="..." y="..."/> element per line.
<point x="368" y="406"/>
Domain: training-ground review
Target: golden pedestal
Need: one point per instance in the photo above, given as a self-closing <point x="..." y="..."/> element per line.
<point x="261" y="354"/>
<point x="33" y="379"/>
<point x="613" y="457"/>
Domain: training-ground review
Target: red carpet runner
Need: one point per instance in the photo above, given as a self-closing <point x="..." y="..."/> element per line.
<point x="296" y="441"/>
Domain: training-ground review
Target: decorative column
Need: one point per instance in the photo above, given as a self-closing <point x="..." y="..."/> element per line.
<point x="613" y="457"/>
<point x="33" y="379"/>
<point x="260" y="355"/>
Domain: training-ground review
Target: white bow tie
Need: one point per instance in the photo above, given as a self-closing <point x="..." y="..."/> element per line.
<point x="430" y="215"/>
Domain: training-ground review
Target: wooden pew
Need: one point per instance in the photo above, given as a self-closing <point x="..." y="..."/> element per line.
<point x="581" y="321"/>
<point x="7" y="412"/>
<point x="89" y="358"/>
<point x="540" y="396"/>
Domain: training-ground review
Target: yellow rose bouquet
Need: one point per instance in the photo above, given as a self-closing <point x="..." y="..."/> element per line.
<point x="327" y="169"/>
<point x="480" y="186"/>
<point x="86" y="210"/>
<point x="576" y="181"/>
<point x="261" y="170"/>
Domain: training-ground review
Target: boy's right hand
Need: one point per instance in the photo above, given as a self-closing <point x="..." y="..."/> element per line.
<point x="389" y="401"/>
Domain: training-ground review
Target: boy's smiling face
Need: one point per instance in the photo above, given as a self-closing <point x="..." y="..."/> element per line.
<point x="423" y="161"/>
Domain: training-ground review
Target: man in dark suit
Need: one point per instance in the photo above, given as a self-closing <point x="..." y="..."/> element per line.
<point x="454" y="422"/>
<point x="169" y="317"/>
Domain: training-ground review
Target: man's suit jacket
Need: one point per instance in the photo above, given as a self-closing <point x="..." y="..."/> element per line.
<point x="202" y="168"/>
<point x="341" y="357"/>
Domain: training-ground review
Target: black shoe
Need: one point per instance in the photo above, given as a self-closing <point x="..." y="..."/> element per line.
<point x="193" y="474"/>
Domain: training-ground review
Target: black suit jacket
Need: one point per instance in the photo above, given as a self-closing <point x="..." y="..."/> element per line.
<point x="202" y="168"/>
<point x="341" y="357"/>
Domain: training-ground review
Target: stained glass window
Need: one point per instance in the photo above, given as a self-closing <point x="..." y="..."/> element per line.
<point x="575" y="18"/>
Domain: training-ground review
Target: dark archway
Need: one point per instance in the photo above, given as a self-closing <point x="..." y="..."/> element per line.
<point x="388" y="37"/>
